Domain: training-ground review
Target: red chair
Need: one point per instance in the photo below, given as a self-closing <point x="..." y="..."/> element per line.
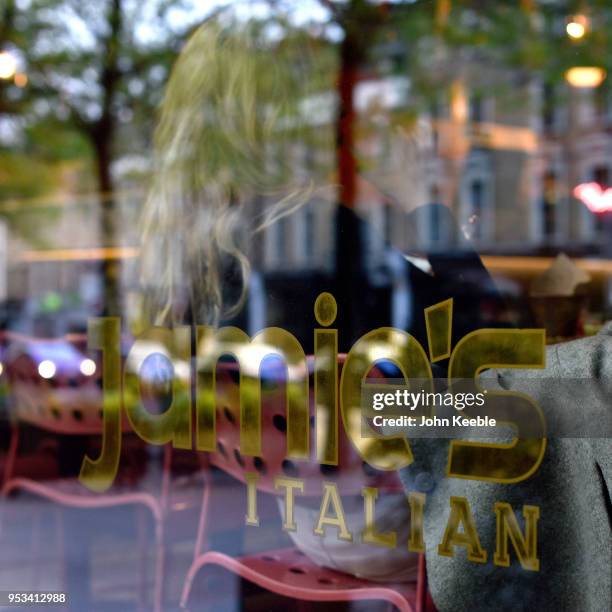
<point x="69" y="404"/>
<point x="288" y="572"/>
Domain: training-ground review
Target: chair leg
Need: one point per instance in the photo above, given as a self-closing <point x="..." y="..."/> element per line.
<point x="201" y="534"/>
<point x="187" y="584"/>
<point x="160" y="553"/>
<point x="35" y="548"/>
<point x="11" y="455"/>
<point x="9" y="467"/>
<point x="141" y="535"/>
<point x="61" y="553"/>
<point x="421" y="584"/>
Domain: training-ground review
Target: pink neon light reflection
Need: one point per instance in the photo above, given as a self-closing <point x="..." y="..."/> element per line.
<point x="594" y="197"/>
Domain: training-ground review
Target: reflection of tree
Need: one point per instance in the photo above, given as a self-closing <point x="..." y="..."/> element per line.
<point x="93" y="74"/>
<point x="20" y="174"/>
<point x="90" y="69"/>
<point x="9" y="34"/>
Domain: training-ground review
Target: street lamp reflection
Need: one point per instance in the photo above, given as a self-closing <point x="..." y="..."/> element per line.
<point x="46" y="369"/>
<point x="585" y="76"/>
<point x="21" y="79"/>
<point x="8" y="65"/>
<point x="577" y="26"/>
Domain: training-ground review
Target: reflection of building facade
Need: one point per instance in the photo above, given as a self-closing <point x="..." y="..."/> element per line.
<point x="505" y="159"/>
<point x="576" y="148"/>
<point x="54" y="248"/>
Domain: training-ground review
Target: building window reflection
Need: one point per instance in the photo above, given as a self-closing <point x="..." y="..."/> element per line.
<point x="435" y="233"/>
<point x="280" y="239"/>
<point x="387" y="223"/>
<point x="476" y="108"/>
<point x="309" y="235"/>
<point x="477" y="202"/>
<point x="601" y="175"/>
<point x="549" y="206"/>
<point x="601" y="100"/>
<point x="548" y="106"/>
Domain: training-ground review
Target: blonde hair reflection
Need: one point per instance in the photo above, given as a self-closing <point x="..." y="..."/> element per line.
<point x="234" y="100"/>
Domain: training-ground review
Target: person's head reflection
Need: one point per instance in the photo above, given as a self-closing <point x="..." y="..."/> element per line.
<point x="235" y="107"/>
